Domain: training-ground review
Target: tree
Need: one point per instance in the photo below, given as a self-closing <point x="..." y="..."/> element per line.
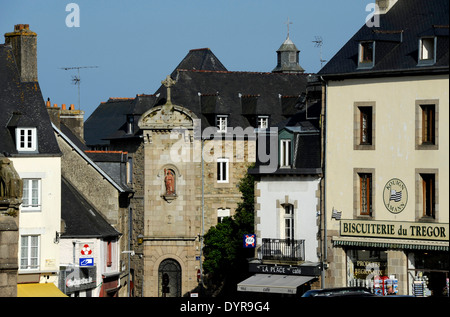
<point x="225" y="263"/>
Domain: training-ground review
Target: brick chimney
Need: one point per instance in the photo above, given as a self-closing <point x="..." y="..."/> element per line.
<point x="385" y="5"/>
<point x="24" y="44"/>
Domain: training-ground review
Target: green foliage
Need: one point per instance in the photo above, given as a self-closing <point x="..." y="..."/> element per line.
<point x="225" y="259"/>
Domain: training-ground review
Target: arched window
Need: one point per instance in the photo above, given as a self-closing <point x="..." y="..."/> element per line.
<point x="169" y="279"/>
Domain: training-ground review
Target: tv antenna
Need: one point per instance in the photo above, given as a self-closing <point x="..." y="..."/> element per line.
<point x="76" y="79"/>
<point x="319" y="43"/>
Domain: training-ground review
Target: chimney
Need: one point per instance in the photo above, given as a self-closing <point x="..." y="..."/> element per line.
<point x="24" y="44"/>
<point x="385" y="5"/>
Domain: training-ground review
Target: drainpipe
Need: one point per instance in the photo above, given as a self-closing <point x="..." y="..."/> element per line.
<point x="324" y="215"/>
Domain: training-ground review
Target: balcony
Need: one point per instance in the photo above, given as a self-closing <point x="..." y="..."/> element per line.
<point x="282" y="250"/>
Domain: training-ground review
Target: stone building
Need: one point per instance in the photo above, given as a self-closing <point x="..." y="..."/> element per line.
<point x="179" y="193"/>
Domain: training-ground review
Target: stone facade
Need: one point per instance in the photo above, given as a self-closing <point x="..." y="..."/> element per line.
<point x="10" y="199"/>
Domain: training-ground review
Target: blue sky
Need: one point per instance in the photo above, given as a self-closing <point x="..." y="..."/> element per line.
<point x="137" y="43"/>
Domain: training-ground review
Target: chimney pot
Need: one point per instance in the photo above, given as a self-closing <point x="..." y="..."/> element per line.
<point x="63" y="106"/>
<point x="72" y="107"/>
<point x="48" y="104"/>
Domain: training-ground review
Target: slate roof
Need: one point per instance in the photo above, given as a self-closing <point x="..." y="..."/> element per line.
<point x="80" y="218"/>
<point x="205" y="87"/>
<point x="22" y="105"/>
<point x="397" y="41"/>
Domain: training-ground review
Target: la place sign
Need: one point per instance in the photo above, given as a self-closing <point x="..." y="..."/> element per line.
<point x="395" y="229"/>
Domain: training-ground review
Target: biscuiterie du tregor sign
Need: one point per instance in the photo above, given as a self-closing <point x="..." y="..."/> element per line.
<point x="395" y="229"/>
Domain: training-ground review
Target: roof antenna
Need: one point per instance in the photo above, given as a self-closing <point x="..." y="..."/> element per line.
<point x="318" y="43"/>
<point x="76" y="79"/>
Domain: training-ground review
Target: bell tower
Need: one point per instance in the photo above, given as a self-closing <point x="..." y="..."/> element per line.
<point x="288" y="56"/>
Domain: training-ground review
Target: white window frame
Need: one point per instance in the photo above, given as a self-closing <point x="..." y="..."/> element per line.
<point x="222" y="123"/>
<point x="285" y="153"/>
<point x="26" y="139"/>
<point x="431" y="56"/>
<point x="26" y="253"/>
<point x="223" y="165"/>
<point x="31" y="185"/>
<point x="288" y="222"/>
<point x="263" y="122"/>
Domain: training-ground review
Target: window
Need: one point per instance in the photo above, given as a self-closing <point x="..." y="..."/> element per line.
<point x="263" y="122"/>
<point x="222" y="170"/>
<point x="109" y="253"/>
<point x="222" y="123"/>
<point x="285" y="153"/>
<point x="428" y="195"/>
<point x="427" y="49"/>
<point x="289" y="222"/>
<point x="222" y="213"/>
<point x="366" y="125"/>
<point x="26" y="139"/>
<point x="366" y="54"/>
<point x="31" y="194"/>
<point x="428" y="114"/>
<point x="365" y="194"/>
<point x="292" y="57"/>
<point x="427" y="122"/>
<point x="29" y="252"/>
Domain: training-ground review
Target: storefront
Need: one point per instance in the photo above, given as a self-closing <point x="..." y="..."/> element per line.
<point x="283" y="280"/>
<point x="395" y="257"/>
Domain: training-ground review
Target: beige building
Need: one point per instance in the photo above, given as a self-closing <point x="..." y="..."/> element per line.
<point x="387" y="154"/>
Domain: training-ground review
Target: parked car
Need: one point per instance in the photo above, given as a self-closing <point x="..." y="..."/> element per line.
<point x="341" y="291"/>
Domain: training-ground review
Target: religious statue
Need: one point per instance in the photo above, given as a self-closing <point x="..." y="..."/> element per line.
<point x="169" y="180"/>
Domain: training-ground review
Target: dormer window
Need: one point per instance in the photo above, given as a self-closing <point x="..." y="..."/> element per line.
<point x="427" y="51"/>
<point x="222" y="123"/>
<point x="366" y="54"/>
<point x="263" y="122"/>
<point x="26" y="139"/>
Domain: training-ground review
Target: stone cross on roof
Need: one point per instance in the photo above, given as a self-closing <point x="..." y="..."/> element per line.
<point x="168" y="83"/>
<point x="287" y="23"/>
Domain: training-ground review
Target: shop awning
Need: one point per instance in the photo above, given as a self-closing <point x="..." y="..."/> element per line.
<point x="39" y="290"/>
<point x="273" y="283"/>
<point x="391" y="243"/>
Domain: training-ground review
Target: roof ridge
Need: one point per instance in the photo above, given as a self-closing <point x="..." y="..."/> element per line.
<point x="238" y="72"/>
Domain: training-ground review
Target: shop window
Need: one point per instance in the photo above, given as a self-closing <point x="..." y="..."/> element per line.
<point x="363" y="266"/>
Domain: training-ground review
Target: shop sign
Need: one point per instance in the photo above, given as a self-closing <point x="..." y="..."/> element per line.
<point x="395" y="229"/>
<point x="395" y="196"/>
<point x="284" y="269"/>
<point x="78" y="279"/>
<point x="249" y="240"/>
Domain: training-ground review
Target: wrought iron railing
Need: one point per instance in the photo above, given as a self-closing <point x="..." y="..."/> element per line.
<point x="283" y="249"/>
